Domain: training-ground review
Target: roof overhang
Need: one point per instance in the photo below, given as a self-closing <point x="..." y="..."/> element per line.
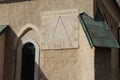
<point x="118" y="3"/>
<point x="3" y="28"/>
<point x="109" y="9"/>
<point x="98" y="33"/>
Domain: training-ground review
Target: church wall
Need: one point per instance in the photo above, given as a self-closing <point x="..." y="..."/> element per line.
<point x="2" y="48"/>
<point x="67" y="64"/>
<point x="18" y="14"/>
<point x="71" y="64"/>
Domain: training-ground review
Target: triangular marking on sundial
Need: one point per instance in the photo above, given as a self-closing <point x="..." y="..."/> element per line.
<point x="63" y="25"/>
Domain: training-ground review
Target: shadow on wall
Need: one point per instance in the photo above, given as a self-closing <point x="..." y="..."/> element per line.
<point x="29" y="66"/>
<point x="12" y="1"/>
<point x="11" y="58"/>
<point x="41" y="75"/>
<point x="102" y="63"/>
<point x="27" y="76"/>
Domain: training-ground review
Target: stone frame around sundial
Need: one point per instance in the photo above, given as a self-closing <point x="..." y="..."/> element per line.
<point x="59" y="29"/>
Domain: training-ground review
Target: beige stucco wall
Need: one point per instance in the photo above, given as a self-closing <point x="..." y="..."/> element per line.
<point x="67" y="64"/>
<point x="2" y="45"/>
<point x="70" y="64"/>
<point x="18" y="14"/>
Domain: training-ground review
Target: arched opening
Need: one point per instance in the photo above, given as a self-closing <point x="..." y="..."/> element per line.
<point x="28" y="61"/>
<point x="21" y="48"/>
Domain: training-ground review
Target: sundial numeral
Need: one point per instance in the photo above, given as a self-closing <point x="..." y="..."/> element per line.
<point x="70" y="44"/>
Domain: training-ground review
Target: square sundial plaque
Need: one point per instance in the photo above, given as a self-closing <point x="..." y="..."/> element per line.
<point x="59" y="29"/>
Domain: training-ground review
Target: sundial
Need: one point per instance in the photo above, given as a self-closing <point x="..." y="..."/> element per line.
<point x="59" y="29"/>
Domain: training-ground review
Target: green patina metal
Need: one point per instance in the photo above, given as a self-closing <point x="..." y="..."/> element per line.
<point x="3" y="28"/>
<point x="97" y="32"/>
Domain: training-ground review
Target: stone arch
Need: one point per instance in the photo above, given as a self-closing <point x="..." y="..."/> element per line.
<point x="19" y="45"/>
<point x="24" y="30"/>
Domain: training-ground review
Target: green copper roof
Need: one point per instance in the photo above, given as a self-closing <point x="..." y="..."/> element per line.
<point x="97" y="32"/>
<point x="2" y="28"/>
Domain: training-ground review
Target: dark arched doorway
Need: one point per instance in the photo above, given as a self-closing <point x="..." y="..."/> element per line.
<point x="28" y="61"/>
